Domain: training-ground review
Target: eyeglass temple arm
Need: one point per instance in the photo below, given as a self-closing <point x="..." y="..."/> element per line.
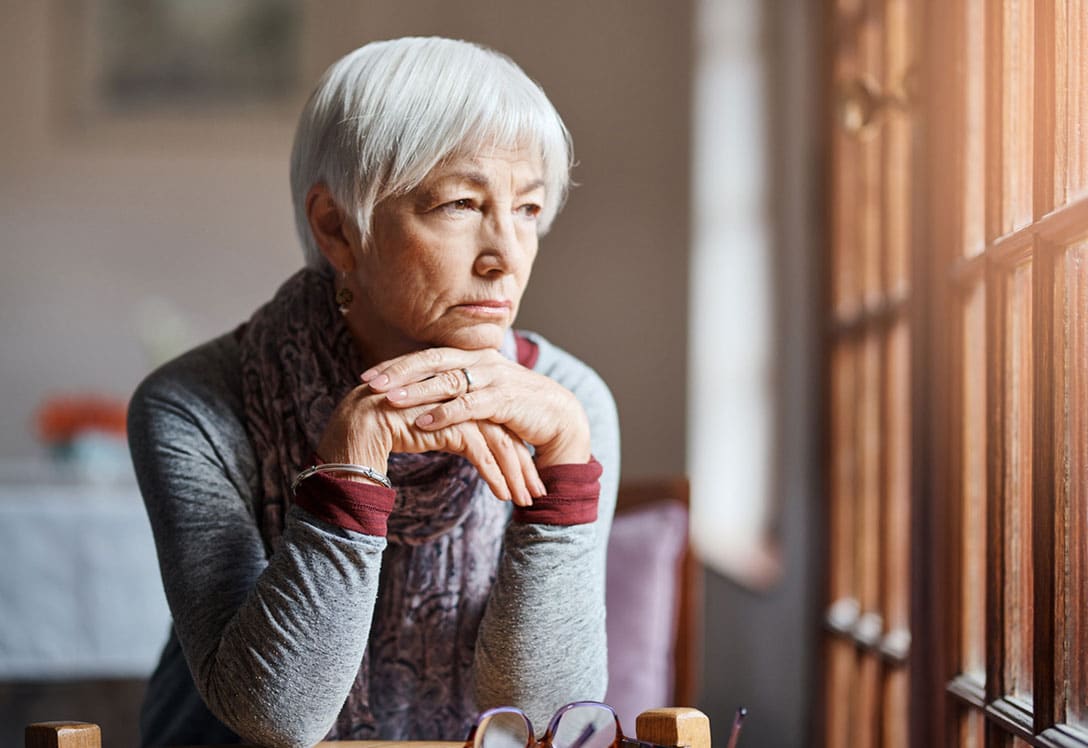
<point x="674" y="726"/>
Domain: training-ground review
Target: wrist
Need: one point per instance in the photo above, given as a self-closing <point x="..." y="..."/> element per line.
<point x="572" y="446"/>
<point x="359" y="506"/>
<point x="354" y="447"/>
<point x="572" y="456"/>
<point x="343" y="471"/>
<point x="362" y="458"/>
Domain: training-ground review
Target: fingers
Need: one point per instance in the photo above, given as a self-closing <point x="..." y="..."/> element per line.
<point x="515" y="462"/>
<point x="501" y="458"/>
<point x="421" y="365"/>
<point x="478" y="405"/>
<point x="529" y="470"/>
<point x="475" y="448"/>
<point x="439" y="388"/>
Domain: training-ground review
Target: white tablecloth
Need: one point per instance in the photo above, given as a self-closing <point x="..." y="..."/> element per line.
<point x="80" y="593"/>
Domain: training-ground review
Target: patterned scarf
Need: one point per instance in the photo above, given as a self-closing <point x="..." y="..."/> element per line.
<point x="445" y="532"/>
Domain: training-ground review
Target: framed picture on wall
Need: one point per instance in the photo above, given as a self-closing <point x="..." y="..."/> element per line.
<point x="123" y="64"/>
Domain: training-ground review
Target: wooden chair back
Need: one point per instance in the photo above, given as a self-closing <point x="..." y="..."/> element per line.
<point x="688" y="618"/>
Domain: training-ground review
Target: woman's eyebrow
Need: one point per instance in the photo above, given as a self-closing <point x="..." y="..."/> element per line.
<point x="536" y="184"/>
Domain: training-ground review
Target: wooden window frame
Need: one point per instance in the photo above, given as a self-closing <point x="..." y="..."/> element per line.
<point x="968" y="240"/>
<point x="1052" y="231"/>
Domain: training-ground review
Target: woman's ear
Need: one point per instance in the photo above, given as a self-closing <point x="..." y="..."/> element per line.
<point x="334" y="232"/>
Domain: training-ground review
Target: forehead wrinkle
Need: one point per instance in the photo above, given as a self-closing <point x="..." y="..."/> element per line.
<point x="475" y="178"/>
<point x="478" y="179"/>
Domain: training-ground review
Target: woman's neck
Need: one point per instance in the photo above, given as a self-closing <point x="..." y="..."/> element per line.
<point x="375" y="345"/>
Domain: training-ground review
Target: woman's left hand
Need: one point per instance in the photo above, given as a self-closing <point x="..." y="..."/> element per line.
<point x="537" y="409"/>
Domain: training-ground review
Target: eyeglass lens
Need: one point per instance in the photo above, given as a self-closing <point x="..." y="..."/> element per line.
<point x="503" y="730"/>
<point x="585" y="727"/>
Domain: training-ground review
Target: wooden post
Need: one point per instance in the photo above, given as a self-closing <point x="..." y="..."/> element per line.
<point x="678" y="726"/>
<point x="63" y="735"/>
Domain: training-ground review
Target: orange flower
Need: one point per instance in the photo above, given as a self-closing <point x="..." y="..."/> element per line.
<point x="59" y="419"/>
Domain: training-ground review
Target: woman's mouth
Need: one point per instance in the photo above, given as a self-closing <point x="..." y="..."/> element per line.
<point x="486" y="308"/>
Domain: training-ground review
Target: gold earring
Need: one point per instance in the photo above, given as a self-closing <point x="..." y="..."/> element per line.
<point x="344" y="297"/>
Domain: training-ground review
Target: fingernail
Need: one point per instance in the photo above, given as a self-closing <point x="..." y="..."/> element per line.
<point x="368" y="374"/>
<point x="382" y="381"/>
<point x="425" y="420"/>
<point x="396" y="395"/>
<point x="541" y="489"/>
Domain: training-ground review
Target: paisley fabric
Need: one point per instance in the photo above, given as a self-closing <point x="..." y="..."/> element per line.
<point x="445" y="532"/>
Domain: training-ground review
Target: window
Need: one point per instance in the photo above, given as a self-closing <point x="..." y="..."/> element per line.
<point x="867" y="679"/>
<point x="958" y="374"/>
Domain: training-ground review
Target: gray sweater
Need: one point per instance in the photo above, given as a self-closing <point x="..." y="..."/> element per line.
<point x="268" y="648"/>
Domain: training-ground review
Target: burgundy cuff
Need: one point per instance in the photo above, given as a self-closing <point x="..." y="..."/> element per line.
<point x="573" y="491"/>
<point x="352" y="505"/>
<point x="528" y="351"/>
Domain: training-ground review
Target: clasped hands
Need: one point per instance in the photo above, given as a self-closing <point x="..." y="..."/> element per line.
<point x="421" y="402"/>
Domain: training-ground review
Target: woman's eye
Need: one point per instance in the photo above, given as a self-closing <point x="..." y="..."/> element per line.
<point x="530" y="210"/>
<point x="464" y="203"/>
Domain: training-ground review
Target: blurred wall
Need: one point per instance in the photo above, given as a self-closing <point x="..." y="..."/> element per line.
<point x="97" y="220"/>
<point x="761" y="646"/>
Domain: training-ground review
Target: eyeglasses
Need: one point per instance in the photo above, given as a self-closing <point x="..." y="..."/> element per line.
<point x="580" y="724"/>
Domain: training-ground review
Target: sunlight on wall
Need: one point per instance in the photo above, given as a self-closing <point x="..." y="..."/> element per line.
<point x="730" y="408"/>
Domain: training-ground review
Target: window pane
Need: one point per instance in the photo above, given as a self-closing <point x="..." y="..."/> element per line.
<point x="844" y="469"/>
<point x="895" y="722"/>
<point x="972" y="729"/>
<point x="1072" y="460"/>
<point x="841" y="667"/>
<point x="868" y="558"/>
<point x="1071" y="89"/>
<point x="973" y="137"/>
<point x="898" y="57"/>
<point x="1016" y="498"/>
<point x="871" y="173"/>
<point x="848" y="187"/>
<point x="845" y="254"/>
<point x="842" y="658"/>
<point x="864" y="731"/>
<point x="867" y="521"/>
<point x="895" y="585"/>
<point x="973" y="486"/>
<point x="1016" y="87"/>
<point x="896" y="474"/>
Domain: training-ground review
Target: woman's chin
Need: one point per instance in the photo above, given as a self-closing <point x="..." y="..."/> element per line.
<point x="475" y="338"/>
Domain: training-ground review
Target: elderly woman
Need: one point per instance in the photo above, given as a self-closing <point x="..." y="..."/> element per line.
<point x="378" y="508"/>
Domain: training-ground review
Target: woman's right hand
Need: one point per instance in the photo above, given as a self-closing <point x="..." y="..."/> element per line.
<point x="365" y="428"/>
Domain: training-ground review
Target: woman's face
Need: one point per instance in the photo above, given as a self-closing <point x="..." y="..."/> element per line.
<point x="446" y="264"/>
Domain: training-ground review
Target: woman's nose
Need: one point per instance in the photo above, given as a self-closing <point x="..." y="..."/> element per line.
<point x="500" y="249"/>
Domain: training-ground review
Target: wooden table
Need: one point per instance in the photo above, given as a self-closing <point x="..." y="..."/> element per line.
<point x="670" y="726"/>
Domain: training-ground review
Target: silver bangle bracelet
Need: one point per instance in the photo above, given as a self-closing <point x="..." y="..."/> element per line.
<point x="341" y="467"/>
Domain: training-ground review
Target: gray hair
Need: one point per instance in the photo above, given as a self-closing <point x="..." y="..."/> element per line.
<point x="382" y="117"/>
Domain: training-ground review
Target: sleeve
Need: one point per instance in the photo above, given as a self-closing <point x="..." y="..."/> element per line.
<point x="273" y="645"/>
<point x="542" y="639"/>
